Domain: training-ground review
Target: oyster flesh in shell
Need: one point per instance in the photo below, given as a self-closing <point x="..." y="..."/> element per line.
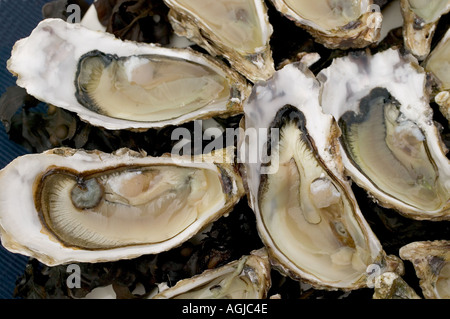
<point x="119" y="84"/>
<point x="246" y="278"/>
<point x="337" y="24"/>
<point x="390" y="145"/>
<point x="420" y="21"/>
<point x="307" y="215"/>
<point x="239" y="30"/>
<point x="431" y="260"/>
<point x="68" y="205"/>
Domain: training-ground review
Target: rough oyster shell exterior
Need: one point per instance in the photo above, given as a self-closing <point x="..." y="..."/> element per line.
<point x="356" y="34"/>
<point x="255" y="65"/>
<point x="431" y="260"/>
<point x="417" y="32"/>
<point x="252" y="271"/>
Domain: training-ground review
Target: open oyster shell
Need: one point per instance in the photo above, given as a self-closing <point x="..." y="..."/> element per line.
<point x="119" y="84"/>
<point x="438" y="63"/>
<point x="68" y="205"/>
<point x="420" y="21"/>
<point x="337" y="24"/>
<point x="239" y="30"/>
<point x="431" y="260"/>
<point x="306" y="212"/>
<point x="246" y="278"/>
<point x="390" y="145"/>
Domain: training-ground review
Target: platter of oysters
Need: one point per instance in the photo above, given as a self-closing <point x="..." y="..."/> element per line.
<point x="284" y="149"/>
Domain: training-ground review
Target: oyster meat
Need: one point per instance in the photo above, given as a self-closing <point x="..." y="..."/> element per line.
<point x="390" y="145"/>
<point x="119" y="84"/>
<point x="68" y="205"/>
<point x="246" y="278"/>
<point x="337" y="24"/>
<point x="239" y="30"/>
<point x="307" y="215"/>
<point x="431" y="260"/>
<point x="420" y="21"/>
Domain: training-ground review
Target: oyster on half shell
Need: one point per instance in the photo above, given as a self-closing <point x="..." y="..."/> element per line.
<point x="239" y="30"/>
<point x="337" y="24"/>
<point x="307" y="215"/>
<point x="68" y="205"/>
<point x="431" y="260"/>
<point x="119" y="84"/>
<point x="390" y="145"/>
<point x="246" y="278"/>
<point x="420" y="21"/>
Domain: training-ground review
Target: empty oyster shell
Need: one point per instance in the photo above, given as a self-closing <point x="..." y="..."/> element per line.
<point x="71" y="205"/>
<point x="389" y="144"/>
<point x="307" y="215"/>
<point x="337" y="24"/>
<point x="239" y="30"/>
<point x="119" y="84"/>
<point x="246" y="278"/>
<point x="431" y="260"/>
<point x="420" y="21"/>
